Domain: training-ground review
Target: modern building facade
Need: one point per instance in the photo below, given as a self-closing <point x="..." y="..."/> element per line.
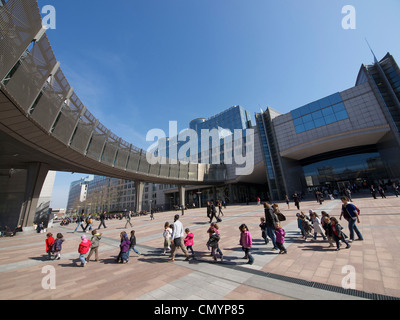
<point x="350" y="137"/>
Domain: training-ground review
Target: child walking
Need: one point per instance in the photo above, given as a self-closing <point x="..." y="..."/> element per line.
<point x="133" y="244"/>
<point x="189" y="241"/>
<point x="83" y="249"/>
<point x="246" y="242"/>
<point x="167" y="238"/>
<point x="215" y="229"/>
<point x="213" y="243"/>
<point x="58" y="246"/>
<point x="49" y="245"/>
<point x="124" y="247"/>
<point x="263" y="226"/>
<point x="316" y="225"/>
<point x="338" y="233"/>
<point x="94" y="247"/>
<point x="280" y="238"/>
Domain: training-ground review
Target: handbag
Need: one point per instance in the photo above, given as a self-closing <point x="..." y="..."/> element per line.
<point x="281" y="216"/>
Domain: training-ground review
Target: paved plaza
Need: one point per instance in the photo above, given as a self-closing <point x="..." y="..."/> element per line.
<point x="310" y="270"/>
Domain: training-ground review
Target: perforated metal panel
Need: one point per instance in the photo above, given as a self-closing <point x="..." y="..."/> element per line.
<point x="109" y="152"/>
<point x="193" y="171"/>
<point x="155" y="169"/>
<point x="174" y="171"/>
<point x="183" y="171"/>
<point x="81" y="137"/>
<point x="121" y="158"/>
<point x="164" y="170"/>
<point x="144" y="166"/>
<point x="47" y="108"/>
<point x="96" y="146"/>
<point x="20" y="21"/>
<point x="27" y="81"/>
<point x="133" y="162"/>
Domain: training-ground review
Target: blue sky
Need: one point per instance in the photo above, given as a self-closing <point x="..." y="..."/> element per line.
<point x="138" y="64"/>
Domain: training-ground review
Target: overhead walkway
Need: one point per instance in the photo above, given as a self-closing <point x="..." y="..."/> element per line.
<point x="45" y="126"/>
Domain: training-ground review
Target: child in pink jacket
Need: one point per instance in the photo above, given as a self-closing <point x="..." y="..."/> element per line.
<point x="280" y="238"/>
<point x="189" y="240"/>
<point x="246" y="242"/>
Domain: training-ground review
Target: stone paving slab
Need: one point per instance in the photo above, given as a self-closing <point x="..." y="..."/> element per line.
<point x="150" y="276"/>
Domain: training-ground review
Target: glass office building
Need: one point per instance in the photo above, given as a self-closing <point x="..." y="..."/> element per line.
<point x="349" y="137"/>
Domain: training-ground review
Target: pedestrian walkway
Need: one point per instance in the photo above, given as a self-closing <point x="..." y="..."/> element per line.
<point x="310" y="270"/>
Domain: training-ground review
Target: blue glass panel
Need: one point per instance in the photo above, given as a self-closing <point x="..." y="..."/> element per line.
<point x="335" y="98"/>
<point x="341" y="115"/>
<point x="324" y="102"/>
<point x="307" y="118"/>
<point x="309" y="125"/>
<point x="327" y="111"/>
<point x="300" y="128"/>
<point x="298" y="121"/>
<point x="317" y="115"/>
<point x="330" y="119"/>
<point x="338" y="107"/>
<point x="319" y="122"/>
<point x="296" y="113"/>
<point x="304" y="110"/>
<point x="314" y="106"/>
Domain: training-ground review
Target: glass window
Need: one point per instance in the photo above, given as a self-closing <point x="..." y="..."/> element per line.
<point x="338" y="108"/>
<point x="341" y="115"/>
<point x="335" y="98"/>
<point x="300" y="128"/>
<point x="317" y="115"/>
<point x="319" y="122"/>
<point x="298" y="121"/>
<point x="309" y="125"/>
<point x="304" y="110"/>
<point x="327" y="111"/>
<point x="307" y="118"/>
<point x="314" y="106"/>
<point x="330" y="119"/>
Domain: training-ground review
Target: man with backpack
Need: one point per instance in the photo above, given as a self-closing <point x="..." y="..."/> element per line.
<point x="352" y="214"/>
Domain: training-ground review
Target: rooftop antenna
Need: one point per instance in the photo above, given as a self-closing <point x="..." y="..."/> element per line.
<point x="375" y="59"/>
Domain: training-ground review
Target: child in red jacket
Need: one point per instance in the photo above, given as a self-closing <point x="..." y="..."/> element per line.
<point x="49" y="245"/>
<point x="83" y="248"/>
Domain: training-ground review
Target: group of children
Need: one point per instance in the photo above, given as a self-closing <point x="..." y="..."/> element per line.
<point x="213" y="241"/>
<point x="328" y="227"/>
<point x="54" y="247"/>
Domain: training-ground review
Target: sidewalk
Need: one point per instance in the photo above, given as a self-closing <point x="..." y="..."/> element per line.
<point x="310" y="270"/>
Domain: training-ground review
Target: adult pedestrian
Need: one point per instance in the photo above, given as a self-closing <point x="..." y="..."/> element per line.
<point x="128" y="219"/>
<point x="80" y="221"/>
<point x="373" y="191"/>
<point x="382" y="192"/>
<point x="213" y="212"/>
<point x="270" y="220"/>
<point x="177" y="237"/>
<point x="102" y="218"/>
<point x="296" y="200"/>
<point x="350" y="213"/>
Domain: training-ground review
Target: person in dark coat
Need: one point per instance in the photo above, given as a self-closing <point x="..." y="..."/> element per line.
<point x="270" y="220"/>
<point x="337" y="233"/>
<point x="102" y="218"/>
